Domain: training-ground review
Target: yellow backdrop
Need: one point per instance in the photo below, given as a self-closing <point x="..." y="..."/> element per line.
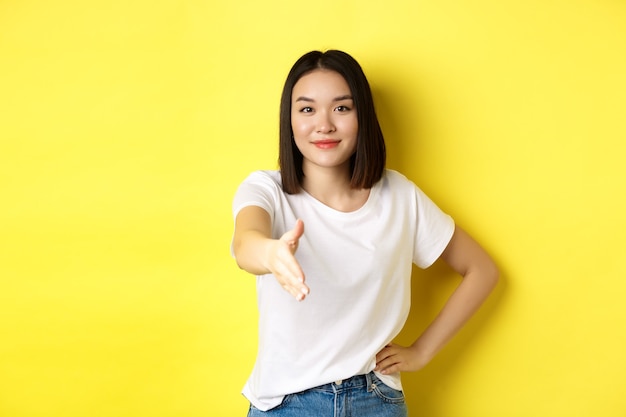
<point x="126" y="126"/>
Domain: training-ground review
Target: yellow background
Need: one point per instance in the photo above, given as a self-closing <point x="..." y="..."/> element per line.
<point x="126" y="126"/>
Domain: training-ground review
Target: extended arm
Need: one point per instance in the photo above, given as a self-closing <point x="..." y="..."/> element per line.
<point x="480" y="276"/>
<point x="256" y="252"/>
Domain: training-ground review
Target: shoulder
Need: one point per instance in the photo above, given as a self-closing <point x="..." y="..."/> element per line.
<point x="259" y="188"/>
<point x="403" y="189"/>
<point x="394" y="175"/>
<point x="396" y="180"/>
<point x="261" y="182"/>
<point x="270" y="180"/>
<point x="264" y="176"/>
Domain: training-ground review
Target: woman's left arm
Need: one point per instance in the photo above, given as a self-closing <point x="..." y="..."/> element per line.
<point x="480" y="275"/>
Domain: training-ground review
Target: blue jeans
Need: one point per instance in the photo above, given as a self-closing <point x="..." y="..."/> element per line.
<point x="359" y="396"/>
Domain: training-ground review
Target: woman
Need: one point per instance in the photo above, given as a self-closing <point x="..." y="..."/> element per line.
<point x="332" y="237"/>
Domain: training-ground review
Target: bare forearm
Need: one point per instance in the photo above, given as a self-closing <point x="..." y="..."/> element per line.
<point x="462" y="304"/>
<point x="251" y="252"/>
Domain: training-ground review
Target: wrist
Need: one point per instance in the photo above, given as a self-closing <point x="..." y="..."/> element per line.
<point x="422" y="352"/>
<point x="269" y="254"/>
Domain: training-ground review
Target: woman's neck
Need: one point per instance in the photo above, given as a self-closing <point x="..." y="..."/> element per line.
<point x="332" y="188"/>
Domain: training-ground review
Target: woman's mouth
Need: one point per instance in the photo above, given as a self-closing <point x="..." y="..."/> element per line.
<point x="326" y="143"/>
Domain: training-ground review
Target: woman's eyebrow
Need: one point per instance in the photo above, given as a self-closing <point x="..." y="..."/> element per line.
<point x="339" y="98"/>
<point x="344" y="97"/>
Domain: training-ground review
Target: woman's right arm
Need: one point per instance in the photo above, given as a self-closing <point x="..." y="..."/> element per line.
<point x="257" y="253"/>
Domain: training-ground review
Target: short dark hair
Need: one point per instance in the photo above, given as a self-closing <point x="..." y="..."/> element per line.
<point x="368" y="161"/>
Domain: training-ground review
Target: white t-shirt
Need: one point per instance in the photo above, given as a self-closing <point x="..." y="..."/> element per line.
<point x="358" y="268"/>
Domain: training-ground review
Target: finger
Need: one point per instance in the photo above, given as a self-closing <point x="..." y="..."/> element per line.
<point x="389" y="364"/>
<point x="381" y="356"/>
<point x="391" y="369"/>
<point x="387" y="357"/>
<point x="294" y="292"/>
<point x="293" y="236"/>
<point x="301" y="287"/>
<point x="292" y="281"/>
<point x="297" y="292"/>
<point x="298" y="229"/>
<point x="385" y="353"/>
<point x="295" y="276"/>
<point x="294" y="270"/>
<point x="297" y="288"/>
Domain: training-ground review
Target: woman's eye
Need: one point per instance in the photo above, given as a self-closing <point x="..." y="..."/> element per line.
<point x="342" y="108"/>
<point x="306" y="110"/>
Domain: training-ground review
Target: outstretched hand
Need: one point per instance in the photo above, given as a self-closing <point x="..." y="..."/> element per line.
<point x="283" y="263"/>
<point x="395" y="358"/>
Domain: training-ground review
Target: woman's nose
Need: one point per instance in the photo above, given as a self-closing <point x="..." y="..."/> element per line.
<point x="325" y="123"/>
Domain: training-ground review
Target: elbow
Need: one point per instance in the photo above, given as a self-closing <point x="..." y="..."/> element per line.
<point x="244" y="261"/>
<point x="235" y="251"/>
<point x="491" y="275"/>
<point x="237" y="262"/>
<point x="484" y="274"/>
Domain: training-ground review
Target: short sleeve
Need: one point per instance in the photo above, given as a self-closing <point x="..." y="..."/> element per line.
<point x="261" y="189"/>
<point x="433" y="232"/>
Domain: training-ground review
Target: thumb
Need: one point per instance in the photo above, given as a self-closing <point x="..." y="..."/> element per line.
<point x="294" y="234"/>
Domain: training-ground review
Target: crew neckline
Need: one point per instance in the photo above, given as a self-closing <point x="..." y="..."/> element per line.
<point x="371" y="199"/>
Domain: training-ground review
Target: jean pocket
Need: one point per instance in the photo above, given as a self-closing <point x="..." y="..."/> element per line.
<point x="255" y="412"/>
<point x="386" y="393"/>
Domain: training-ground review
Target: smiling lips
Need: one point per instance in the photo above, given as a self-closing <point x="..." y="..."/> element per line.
<point x="326" y="143"/>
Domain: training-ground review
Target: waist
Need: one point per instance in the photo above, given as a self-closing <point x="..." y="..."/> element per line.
<point x="355" y="382"/>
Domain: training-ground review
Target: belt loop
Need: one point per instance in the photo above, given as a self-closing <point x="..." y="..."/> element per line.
<point x="368" y="381"/>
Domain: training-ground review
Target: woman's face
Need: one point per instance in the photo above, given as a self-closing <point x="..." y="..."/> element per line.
<point x="324" y="120"/>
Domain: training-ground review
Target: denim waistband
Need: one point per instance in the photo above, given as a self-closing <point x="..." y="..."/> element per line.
<point x="355" y="382"/>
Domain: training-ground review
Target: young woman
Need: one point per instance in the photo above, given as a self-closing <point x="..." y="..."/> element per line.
<point x="332" y="237"/>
